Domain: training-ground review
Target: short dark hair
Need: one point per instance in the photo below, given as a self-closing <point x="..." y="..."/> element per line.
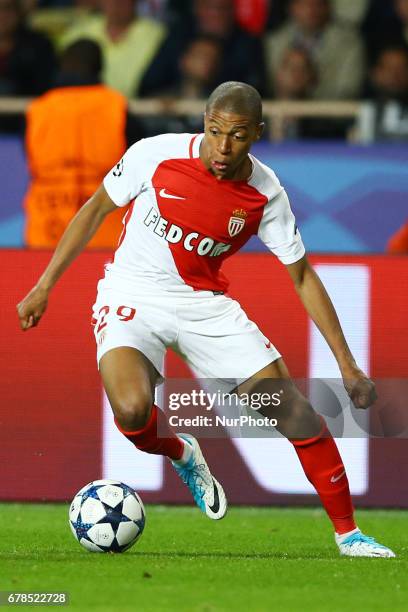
<point x="236" y="97"/>
<point x="83" y="57"/>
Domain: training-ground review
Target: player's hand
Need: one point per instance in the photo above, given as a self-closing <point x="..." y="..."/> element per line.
<point x="32" y="307"/>
<point x="360" y="388"/>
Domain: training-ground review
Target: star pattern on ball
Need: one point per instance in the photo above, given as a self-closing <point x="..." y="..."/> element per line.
<point x="110" y="519"/>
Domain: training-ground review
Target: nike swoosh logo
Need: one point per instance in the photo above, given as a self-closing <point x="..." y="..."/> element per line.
<point x="336" y="478"/>
<point x="164" y="194"/>
<point x="216" y="504"/>
<point x="268" y="344"/>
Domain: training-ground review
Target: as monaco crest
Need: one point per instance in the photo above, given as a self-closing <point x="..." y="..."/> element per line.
<point x="237" y="222"/>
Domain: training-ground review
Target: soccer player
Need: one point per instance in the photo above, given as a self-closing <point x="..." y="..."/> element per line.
<point x="196" y="199"/>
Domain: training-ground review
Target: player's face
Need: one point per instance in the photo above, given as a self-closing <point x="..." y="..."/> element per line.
<point x="226" y="144"/>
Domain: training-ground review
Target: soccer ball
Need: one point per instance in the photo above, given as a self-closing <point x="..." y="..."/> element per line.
<point x="107" y="516"/>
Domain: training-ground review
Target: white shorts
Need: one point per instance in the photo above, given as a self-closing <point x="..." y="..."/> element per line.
<point x="211" y="332"/>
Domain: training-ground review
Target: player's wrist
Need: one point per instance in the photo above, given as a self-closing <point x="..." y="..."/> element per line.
<point x="43" y="286"/>
<point x="349" y="368"/>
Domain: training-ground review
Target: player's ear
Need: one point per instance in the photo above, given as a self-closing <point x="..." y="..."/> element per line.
<point x="259" y="130"/>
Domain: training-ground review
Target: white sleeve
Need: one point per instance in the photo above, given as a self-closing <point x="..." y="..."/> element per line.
<point x="125" y="181"/>
<point x="279" y="232"/>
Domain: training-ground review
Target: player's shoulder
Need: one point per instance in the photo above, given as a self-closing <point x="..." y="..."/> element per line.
<point x="163" y="146"/>
<point x="264" y="179"/>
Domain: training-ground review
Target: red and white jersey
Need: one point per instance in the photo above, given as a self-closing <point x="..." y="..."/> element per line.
<point x="183" y="222"/>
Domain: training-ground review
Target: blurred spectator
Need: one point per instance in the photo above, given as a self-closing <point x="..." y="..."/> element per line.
<point x="386" y="24"/>
<point x="336" y="49"/>
<point x="389" y="76"/>
<point x="398" y="243"/>
<point x="277" y="15"/>
<point x="242" y="58"/>
<point x="296" y="79"/>
<point x="198" y="75"/>
<point x="243" y="55"/>
<point x="386" y="118"/>
<point x="157" y="9"/>
<point x="75" y="134"/>
<point x="351" y="11"/>
<point x="199" y="66"/>
<point x="296" y="76"/>
<point x="27" y="61"/>
<point x="401" y="10"/>
<point x="129" y="43"/>
<point x="55" y="19"/>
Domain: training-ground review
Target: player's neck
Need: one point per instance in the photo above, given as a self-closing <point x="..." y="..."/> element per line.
<point x="246" y="170"/>
<point x="243" y="172"/>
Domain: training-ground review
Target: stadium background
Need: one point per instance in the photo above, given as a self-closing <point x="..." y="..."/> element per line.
<point x="348" y="198"/>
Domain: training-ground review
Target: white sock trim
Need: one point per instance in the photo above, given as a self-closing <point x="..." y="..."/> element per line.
<point x="343" y="536"/>
<point x="187" y="453"/>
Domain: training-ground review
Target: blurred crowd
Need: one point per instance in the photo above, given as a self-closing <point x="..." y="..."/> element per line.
<point x="287" y="49"/>
<point x="82" y="60"/>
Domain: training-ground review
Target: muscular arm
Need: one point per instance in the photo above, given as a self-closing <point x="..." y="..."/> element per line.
<point x="77" y="235"/>
<point x="321" y="310"/>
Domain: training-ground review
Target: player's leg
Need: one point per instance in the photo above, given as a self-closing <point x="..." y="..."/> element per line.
<point x="295" y="416"/>
<point x="318" y="454"/>
<point x="220" y="342"/>
<point x="129" y="379"/>
<point x="307" y="431"/>
<point x="131" y="336"/>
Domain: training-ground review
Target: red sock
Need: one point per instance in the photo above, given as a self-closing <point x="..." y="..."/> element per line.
<point x="156" y="437"/>
<point x="324" y="468"/>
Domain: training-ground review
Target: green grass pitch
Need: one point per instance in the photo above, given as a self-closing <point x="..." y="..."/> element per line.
<point x="256" y="559"/>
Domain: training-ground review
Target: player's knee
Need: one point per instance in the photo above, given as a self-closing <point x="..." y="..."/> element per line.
<point x="301" y="420"/>
<point x="132" y="411"/>
<point x="301" y="409"/>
